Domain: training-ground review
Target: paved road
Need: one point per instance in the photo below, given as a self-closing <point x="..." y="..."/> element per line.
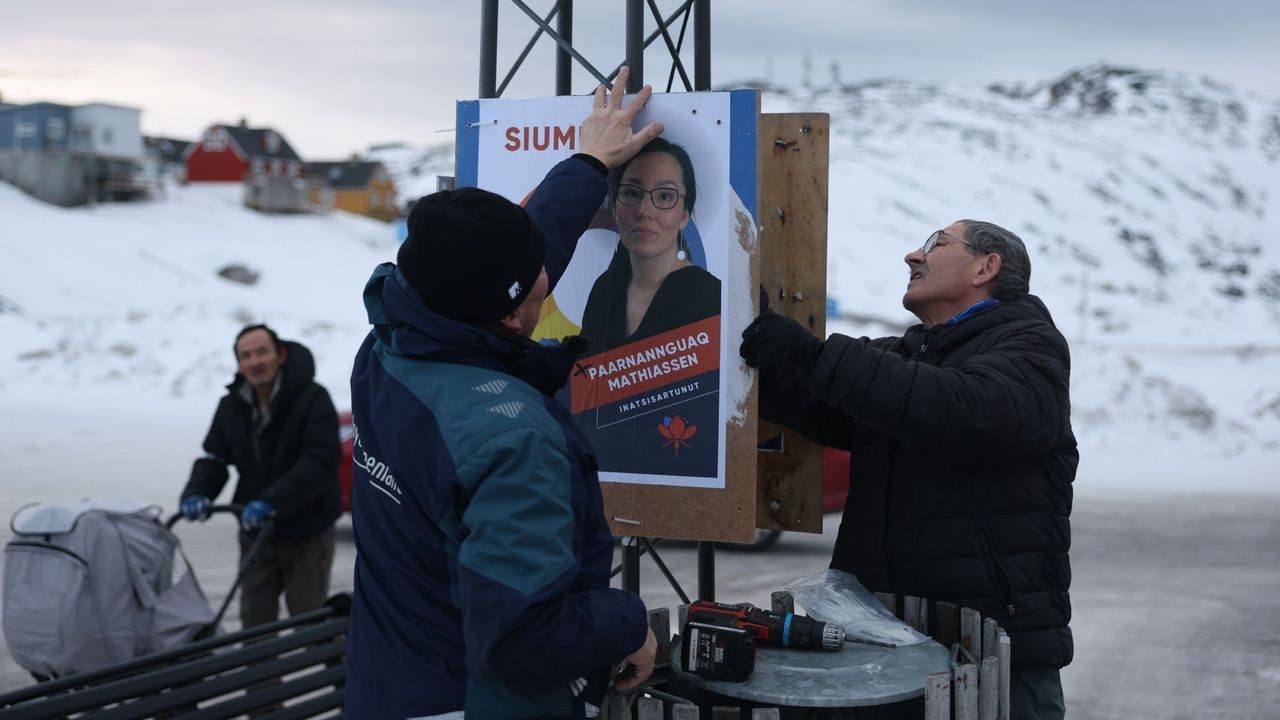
<point x="1177" y="601"/>
<point x="1177" y="609"/>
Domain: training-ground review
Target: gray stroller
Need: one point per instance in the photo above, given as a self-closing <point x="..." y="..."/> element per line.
<point x="95" y="583"/>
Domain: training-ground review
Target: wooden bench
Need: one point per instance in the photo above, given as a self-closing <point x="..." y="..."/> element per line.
<point x="286" y="670"/>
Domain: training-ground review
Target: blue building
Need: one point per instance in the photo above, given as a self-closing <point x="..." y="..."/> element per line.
<point x="72" y="155"/>
<point x="35" y="127"/>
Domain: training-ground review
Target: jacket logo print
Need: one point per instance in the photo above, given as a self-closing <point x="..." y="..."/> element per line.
<point x="510" y="409"/>
<point x="677" y="432"/>
<point x="493" y="387"/>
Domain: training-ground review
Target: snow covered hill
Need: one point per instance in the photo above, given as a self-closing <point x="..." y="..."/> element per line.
<point x="129" y="297"/>
<point x="414" y="168"/>
<point x="1150" y="203"/>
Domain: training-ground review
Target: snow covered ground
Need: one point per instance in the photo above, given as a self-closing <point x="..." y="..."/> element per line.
<point x="1153" y="234"/>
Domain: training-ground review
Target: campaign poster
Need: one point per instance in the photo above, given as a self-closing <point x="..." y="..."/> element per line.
<point x="653" y="283"/>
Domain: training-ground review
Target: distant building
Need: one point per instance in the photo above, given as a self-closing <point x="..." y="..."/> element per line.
<point x="233" y="153"/>
<point x="260" y="158"/>
<point x="106" y="130"/>
<point x="71" y="155"/>
<point x="356" y="186"/>
<point x="35" y="128"/>
<point x="166" y="156"/>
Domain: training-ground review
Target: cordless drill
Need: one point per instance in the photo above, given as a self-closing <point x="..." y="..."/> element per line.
<point x="785" y="629"/>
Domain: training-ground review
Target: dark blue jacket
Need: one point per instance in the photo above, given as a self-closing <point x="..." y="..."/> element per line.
<point x="483" y="554"/>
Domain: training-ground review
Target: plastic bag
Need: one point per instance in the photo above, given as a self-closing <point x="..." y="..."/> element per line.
<point x="835" y="596"/>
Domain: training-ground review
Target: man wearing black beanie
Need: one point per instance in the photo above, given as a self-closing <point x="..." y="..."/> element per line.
<point x="472" y="255"/>
<point x="483" y="553"/>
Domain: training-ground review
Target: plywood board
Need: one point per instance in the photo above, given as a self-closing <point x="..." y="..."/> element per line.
<point x="793" y="166"/>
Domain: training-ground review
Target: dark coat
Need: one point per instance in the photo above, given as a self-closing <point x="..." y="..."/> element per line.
<point x="292" y="463"/>
<point x="961" y="468"/>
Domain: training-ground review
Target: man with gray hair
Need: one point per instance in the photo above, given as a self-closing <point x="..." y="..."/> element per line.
<point x="962" y="455"/>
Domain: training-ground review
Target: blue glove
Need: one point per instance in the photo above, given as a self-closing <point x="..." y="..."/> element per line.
<point x="195" y="507"/>
<point x="255" y="514"/>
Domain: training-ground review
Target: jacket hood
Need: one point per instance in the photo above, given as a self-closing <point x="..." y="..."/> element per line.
<point x="407" y="327"/>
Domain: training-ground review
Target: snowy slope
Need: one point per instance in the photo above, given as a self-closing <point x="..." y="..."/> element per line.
<point x="414" y="168"/>
<point x="128" y="297"/>
<point x="1149" y="202"/>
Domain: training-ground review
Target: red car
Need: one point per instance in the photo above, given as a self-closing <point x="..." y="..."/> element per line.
<point x="347" y="434"/>
<point x="835" y="478"/>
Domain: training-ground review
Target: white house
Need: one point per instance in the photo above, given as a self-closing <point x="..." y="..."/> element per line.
<point x="109" y="131"/>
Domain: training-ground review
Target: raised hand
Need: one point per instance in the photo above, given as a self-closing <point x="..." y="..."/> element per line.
<point x="607" y="134"/>
<point x="772" y="340"/>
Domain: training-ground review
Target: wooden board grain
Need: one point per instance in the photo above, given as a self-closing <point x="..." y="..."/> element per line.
<point x="793" y="168"/>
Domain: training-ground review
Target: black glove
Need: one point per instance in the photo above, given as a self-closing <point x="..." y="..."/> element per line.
<point x="772" y="341"/>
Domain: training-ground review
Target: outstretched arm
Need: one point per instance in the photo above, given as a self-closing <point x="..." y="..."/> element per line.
<point x="1010" y="400"/>
<point x="569" y="196"/>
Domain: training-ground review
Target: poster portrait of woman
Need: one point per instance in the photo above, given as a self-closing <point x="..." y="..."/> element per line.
<point x="652" y="284"/>
<point x="659" y="284"/>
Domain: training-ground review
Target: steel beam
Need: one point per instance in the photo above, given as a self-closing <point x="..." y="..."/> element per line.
<point x="488" y="48"/>
<point x="564" y="61"/>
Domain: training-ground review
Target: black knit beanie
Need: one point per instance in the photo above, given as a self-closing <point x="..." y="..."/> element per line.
<point x="471" y="254"/>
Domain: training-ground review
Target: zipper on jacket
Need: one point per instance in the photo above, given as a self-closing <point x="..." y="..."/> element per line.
<point x="1001" y="578"/>
<point x="929" y="335"/>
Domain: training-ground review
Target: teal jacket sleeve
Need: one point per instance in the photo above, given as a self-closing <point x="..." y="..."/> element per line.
<point x="527" y="625"/>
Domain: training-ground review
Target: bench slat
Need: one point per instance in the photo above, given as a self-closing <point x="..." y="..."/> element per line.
<point x="183" y="673"/>
<point x="185" y="697"/>
<point x="163" y="658"/>
<point x="308" y="709"/>
<point x="331" y="676"/>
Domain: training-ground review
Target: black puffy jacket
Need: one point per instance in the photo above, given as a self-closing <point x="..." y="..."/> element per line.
<point x="961" y="468"/>
<point x="292" y="464"/>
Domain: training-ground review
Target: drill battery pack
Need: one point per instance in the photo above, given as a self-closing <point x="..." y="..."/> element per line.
<point x="718" y="651"/>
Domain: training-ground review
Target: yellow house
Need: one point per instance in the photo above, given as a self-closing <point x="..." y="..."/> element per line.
<point x="356" y="186"/>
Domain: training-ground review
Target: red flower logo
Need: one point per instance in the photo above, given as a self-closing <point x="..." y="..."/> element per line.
<point x="677" y="432"/>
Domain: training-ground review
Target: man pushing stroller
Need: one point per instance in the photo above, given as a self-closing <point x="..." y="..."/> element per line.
<point x="279" y="428"/>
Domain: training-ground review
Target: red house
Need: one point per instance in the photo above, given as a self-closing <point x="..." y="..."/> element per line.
<point x="232" y="153"/>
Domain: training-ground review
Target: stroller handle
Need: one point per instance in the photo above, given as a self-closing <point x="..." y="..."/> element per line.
<point x="260" y="538"/>
<point x="234" y="508"/>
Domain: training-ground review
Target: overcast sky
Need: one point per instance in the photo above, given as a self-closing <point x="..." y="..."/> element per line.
<point x="335" y="76"/>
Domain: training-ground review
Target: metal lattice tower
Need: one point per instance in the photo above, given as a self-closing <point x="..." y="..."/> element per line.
<point x="699" y="11"/>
